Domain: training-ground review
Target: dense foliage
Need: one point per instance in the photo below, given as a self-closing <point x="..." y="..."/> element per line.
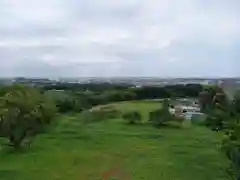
<point x="23" y="113"/>
<point x="231" y="146"/>
<point x="224" y="115"/>
<point x="96" y="87"/>
<point x="231" y="143"/>
<point x="77" y="97"/>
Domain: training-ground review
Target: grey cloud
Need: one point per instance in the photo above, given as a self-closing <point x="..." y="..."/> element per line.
<point x="94" y="11"/>
<point x="119" y="38"/>
<point x="31" y="32"/>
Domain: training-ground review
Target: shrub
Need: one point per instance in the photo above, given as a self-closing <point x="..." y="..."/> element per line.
<point x="72" y="104"/>
<point x="160" y="117"/>
<point x="217" y="120"/>
<point x="65" y="105"/>
<point x="132" y="117"/>
<point x="231" y="146"/>
<point x="24" y="113"/>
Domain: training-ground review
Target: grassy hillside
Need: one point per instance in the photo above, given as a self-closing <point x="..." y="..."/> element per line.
<point x="112" y="149"/>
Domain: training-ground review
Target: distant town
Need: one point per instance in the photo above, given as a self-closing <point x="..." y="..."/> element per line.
<point x="229" y="85"/>
<point x="141" y="81"/>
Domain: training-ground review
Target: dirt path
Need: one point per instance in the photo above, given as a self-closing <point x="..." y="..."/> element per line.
<point x="117" y="173"/>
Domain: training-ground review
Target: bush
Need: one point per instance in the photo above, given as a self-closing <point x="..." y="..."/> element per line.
<point x="65" y="105"/>
<point x="160" y="117"/>
<point x="72" y="104"/>
<point x="217" y="119"/>
<point x="132" y="117"/>
<point x="231" y="146"/>
<point x="24" y="113"/>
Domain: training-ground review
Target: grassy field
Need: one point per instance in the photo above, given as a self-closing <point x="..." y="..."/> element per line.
<point x="142" y="106"/>
<point x="112" y="149"/>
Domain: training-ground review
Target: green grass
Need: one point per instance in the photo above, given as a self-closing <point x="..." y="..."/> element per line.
<point x="142" y="106"/>
<point x="112" y="149"/>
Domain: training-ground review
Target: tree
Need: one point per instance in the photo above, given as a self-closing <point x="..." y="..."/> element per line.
<point x="210" y="96"/>
<point x="217" y="107"/>
<point x="24" y="112"/>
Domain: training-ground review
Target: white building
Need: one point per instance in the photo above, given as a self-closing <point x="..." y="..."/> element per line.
<point x="188" y="112"/>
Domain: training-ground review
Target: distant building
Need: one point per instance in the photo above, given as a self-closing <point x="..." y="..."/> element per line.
<point x="190" y="111"/>
<point x="33" y="81"/>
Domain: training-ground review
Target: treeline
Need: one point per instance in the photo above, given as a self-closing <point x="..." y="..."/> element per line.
<point x="72" y="99"/>
<point x="96" y="87"/>
<point x="191" y="90"/>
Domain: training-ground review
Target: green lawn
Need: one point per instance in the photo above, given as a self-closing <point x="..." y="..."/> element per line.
<point x="142" y="106"/>
<point x="112" y="149"/>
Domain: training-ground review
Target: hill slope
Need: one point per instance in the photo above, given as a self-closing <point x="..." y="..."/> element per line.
<point x="112" y="149"/>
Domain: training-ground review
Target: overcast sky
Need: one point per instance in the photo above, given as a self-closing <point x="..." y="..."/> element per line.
<point x="165" y="38"/>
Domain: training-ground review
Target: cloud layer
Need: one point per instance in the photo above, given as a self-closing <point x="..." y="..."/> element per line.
<point x="165" y="38"/>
